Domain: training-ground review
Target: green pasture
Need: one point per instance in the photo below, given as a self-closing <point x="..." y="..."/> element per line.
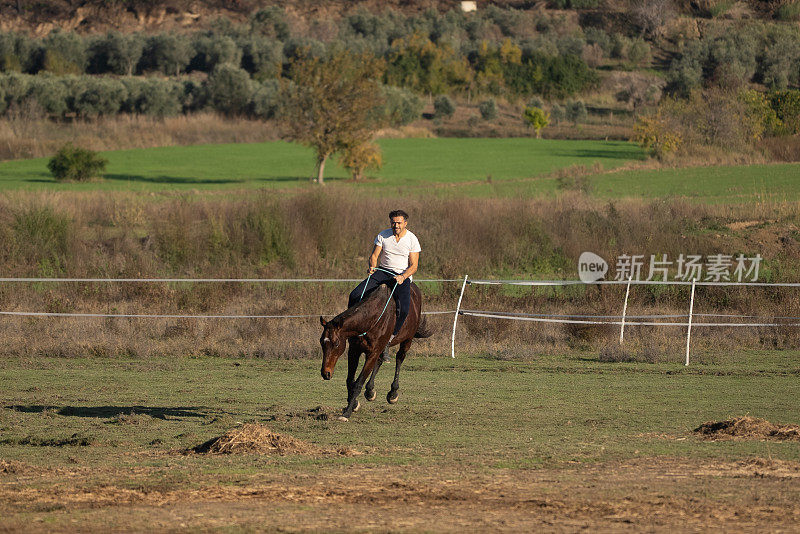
<point x="746" y="184"/>
<point x="475" y="412"/>
<point x="407" y="162"/>
<point x="440" y="167"/>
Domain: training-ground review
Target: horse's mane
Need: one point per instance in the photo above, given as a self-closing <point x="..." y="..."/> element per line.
<point x="355" y="308"/>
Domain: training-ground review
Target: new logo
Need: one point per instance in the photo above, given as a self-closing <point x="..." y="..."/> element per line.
<point x="591" y="267"/>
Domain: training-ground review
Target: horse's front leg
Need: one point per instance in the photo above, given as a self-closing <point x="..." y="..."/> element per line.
<point x="369" y="365"/>
<point x="393" y="394"/>
<point x="353" y="356"/>
<point x="369" y="391"/>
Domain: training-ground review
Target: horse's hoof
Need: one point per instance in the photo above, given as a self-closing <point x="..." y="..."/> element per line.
<point x="370" y="395"/>
<point x="392" y="399"/>
<point x="342" y="419"/>
<point x="358" y="406"/>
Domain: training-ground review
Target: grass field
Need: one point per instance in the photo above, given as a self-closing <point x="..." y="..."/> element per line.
<point x="521" y="438"/>
<point x="91" y="440"/>
<point x="280" y="164"/>
<point x="516" y="167"/>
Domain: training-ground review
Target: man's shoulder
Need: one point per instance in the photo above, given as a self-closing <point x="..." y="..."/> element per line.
<point x="385" y="234"/>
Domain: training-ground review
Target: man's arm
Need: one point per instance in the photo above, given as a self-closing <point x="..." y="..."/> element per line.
<point x="373" y="258"/>
<point x="413" y="262"/>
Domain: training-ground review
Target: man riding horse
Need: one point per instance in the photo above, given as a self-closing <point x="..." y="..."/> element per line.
<point x="369" y="325"/>
<point x="396" y="254"/>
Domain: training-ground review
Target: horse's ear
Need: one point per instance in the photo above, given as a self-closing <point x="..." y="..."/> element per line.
<point x="323" y="322"/>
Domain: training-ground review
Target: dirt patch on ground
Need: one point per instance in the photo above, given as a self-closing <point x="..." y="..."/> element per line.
<point x="653" y="494"/>
<point x="748" y="428"/>
<point x="255" y="438"/>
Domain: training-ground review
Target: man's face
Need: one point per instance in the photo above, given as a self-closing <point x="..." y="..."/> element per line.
<point x="398" y="224"/>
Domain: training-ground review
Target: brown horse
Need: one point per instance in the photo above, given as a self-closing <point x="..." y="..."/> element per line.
<point x="365" y="318"/>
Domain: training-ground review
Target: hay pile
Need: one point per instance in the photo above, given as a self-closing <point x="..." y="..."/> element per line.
<point x="748" y="428"/>
<point x="255" y="438"/>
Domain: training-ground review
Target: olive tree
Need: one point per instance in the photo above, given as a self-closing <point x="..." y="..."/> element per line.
<point x="331" y="104"/>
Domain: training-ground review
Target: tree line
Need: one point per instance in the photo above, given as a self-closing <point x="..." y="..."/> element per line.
<point x="499" y="51"/>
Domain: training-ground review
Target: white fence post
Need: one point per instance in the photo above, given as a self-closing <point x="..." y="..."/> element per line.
<point x="624" y="311"/>
<point x="689" y="328"/>
<point x="455" y="319"/>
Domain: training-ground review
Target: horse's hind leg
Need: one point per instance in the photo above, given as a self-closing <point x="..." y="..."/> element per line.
<point x="369" y="391"/>
<point x="353" y="356"/>
<point x="393" y="394"/>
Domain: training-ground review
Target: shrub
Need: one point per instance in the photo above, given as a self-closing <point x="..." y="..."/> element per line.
<point x="443" y="106"/>
<point x="710" y="118"/>
<point x="592" y="55"/>
<point x="229" y="89"/>
<point x="17" y="52"/>
<point x="41" y="235"/>
<point x="72" y="163"/>
<point x="778" y="65"/>
<point x="50" y="93"/>
<point x="766" y="121"/>
<point x="213" y="50"/>
<point x="265" y="103"/>
<point x="116" y="53"/>
<point x="15" y="86"/>
<point x="576" y="111"/>
<point x="570" y="44"/>
<point x="93" y="97"/>
<point x="64" y="53"/>
<point x="153" y="97"/>
<point x="787" y="108"/>
<point x="400" y="106"/>
<point x="193" y="96"/>
<point x="167" y="53"/>
<point x="557" y="113"/>
<point x="270" y="22"/>
<point x="789" y="11"/>
<point x="599" y="37"/>
<point x="488" y="109"/>
<point x="361" y="157"/>
<point x="619" y="46"/>
<point x="536" y="118"/>
<point x="261" y="56"/>
<point x="638" y="51"/>
<point x="535" y="102"/>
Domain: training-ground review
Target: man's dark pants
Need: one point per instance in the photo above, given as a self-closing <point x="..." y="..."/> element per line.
<point x="401" y="295"/>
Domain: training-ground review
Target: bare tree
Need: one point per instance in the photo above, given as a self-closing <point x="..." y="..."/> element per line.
<point x="652" y="15"/>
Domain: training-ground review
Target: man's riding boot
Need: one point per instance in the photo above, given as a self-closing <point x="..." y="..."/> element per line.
<point x="385" y="355"/>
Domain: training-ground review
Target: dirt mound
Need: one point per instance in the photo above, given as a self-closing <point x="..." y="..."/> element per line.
<point x="9" y="468"/>
<point x="748" y="428"/>
<point x="256" y="438"/>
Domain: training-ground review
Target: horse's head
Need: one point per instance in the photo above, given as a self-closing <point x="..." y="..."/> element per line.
<point x="333" y="345"/>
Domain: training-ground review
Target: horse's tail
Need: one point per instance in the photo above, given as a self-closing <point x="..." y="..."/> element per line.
<point x="423" y="329"/>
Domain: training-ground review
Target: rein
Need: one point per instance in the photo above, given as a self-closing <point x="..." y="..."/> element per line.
<point x="384" y="306"/>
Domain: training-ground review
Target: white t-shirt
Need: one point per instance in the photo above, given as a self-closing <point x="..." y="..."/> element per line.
<point x="394" y="254"/>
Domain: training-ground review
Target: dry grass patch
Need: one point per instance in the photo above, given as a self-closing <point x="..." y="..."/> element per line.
<point x="748" y="428"/>
<point x="255" y="438"/>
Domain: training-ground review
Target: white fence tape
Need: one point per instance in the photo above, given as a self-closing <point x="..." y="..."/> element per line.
<point x="625" y="320"/>
<point x="168" y="316"/>
<point x="633" y="282"/>
<point x="503" y="315"/>
<point x="205" y="280"/>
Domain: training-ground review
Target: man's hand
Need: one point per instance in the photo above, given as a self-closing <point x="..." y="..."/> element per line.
<point x="371" y="270"/>
<point x="399" y="279"/>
